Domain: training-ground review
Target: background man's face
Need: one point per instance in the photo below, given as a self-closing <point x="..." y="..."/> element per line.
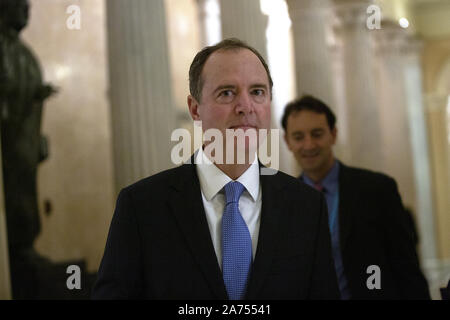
<point x="15" y="13"/>
<point x="310" y="139"/>
<point x="235" y="93"/>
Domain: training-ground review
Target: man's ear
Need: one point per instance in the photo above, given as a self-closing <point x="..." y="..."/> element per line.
<point x="334" y="134"/>
<point x="193" y="107"/>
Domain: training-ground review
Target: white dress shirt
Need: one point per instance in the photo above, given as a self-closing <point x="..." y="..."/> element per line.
<point x="212" y="180"/>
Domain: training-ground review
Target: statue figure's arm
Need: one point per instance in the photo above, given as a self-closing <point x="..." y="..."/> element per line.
<point x="45" y="91"/>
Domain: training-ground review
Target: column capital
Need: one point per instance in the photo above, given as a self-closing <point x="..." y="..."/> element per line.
<point x="391" y="38"/>
<point x="414" y="45"/>
<point x="313" y="9"/>
<point x="351" y="13"/>
<point x="307" y="5"/>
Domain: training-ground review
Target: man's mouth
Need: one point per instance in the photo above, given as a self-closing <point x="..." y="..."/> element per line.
<point x="243" y="127"/>
<point x="310" y="156"/>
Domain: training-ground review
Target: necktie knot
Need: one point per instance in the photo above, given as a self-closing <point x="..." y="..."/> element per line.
<point x="319" y="186"/>
<point x="233" y="191"/>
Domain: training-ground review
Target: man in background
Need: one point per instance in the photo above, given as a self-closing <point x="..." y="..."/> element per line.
<point x="372" y="241"/>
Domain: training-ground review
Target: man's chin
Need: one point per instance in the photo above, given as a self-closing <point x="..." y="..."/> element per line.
<point x="309" y="165"/>
<point x="244" y="154"/>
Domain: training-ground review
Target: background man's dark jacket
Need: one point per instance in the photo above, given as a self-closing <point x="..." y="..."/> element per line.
<point x="376" y="230"/>
<point x="159" y="245"/>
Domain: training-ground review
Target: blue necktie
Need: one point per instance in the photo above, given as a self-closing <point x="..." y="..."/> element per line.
<point x="236" y="244"/>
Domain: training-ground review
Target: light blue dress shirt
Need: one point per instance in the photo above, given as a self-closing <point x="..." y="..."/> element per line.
<point x="331" y="191"/>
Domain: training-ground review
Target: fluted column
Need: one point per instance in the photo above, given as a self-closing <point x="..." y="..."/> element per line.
<point x="5" y="284"/>
<point x="311" y="27"/>
<point x="362" y="117"/>
<point x="436" y="115"/>
<point x="404" y="133"/>
<point x="394" y="120"/>
<point x="140" y="88"/>
<point x="208" y="12"/>
<point x="202" y="16"/>
<point x="342" y="147"/>
<point x="245" y="20"/>
<point x="425" y="210"/>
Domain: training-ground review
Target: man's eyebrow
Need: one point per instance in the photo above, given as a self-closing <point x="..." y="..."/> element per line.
<point x="224" y="86"/>
<point x="230" y="86"/>
<point x="259" y="85"/>
<point x="313" y="130"/>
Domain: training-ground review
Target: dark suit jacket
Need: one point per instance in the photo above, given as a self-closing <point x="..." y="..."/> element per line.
<point x="159" y="245"/>
<point x="376" y="230"/>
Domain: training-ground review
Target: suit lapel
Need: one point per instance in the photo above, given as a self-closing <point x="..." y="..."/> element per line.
<point x="271" y="209"/>
<point x="191" y="219"/>
<point x="187" y="206"/>
<point x="347" y="196"/>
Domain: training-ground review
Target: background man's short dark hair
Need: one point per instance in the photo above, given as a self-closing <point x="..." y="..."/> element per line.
<point x="195" y="71"/>
<point x="310" y="103"/>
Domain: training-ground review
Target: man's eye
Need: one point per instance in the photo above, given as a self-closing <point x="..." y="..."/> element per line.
<point x="226" y="93"/>
<point x="258" y="92"/>
<point x="316" y="134"/>
<point x="226" y="96"/>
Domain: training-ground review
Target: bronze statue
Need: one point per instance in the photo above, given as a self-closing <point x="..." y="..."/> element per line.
<point x="22" y="93"/>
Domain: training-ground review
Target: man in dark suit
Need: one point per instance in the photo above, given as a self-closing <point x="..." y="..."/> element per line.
<point x="220" y="229"/>
<point x="372" y="240"/>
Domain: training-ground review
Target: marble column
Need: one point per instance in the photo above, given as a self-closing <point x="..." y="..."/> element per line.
<point x="436" y="202"/>
<point x="342" y="148"/>
<point x="140" y="89"/>
<point x="5" y="283"/>
<point x="425" y="210"/>
<point x="432" y="222"/>
<point x="391" y="41"/>
<point x="245" y="20"/>
<point x="209" y="22"/>
<point x="202" y="15"/>
<point x="362" y="116"/>
<point x="311" y="27"/>
<point x="404" y="132"/>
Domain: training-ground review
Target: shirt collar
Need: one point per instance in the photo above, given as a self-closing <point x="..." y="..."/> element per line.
<point x="330" y="182"/>
<point x="212" y="179"/>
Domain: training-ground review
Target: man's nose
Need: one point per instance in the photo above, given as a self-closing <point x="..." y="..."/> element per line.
<point x="308" y="143"/>
<point x="244" y="103"/>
